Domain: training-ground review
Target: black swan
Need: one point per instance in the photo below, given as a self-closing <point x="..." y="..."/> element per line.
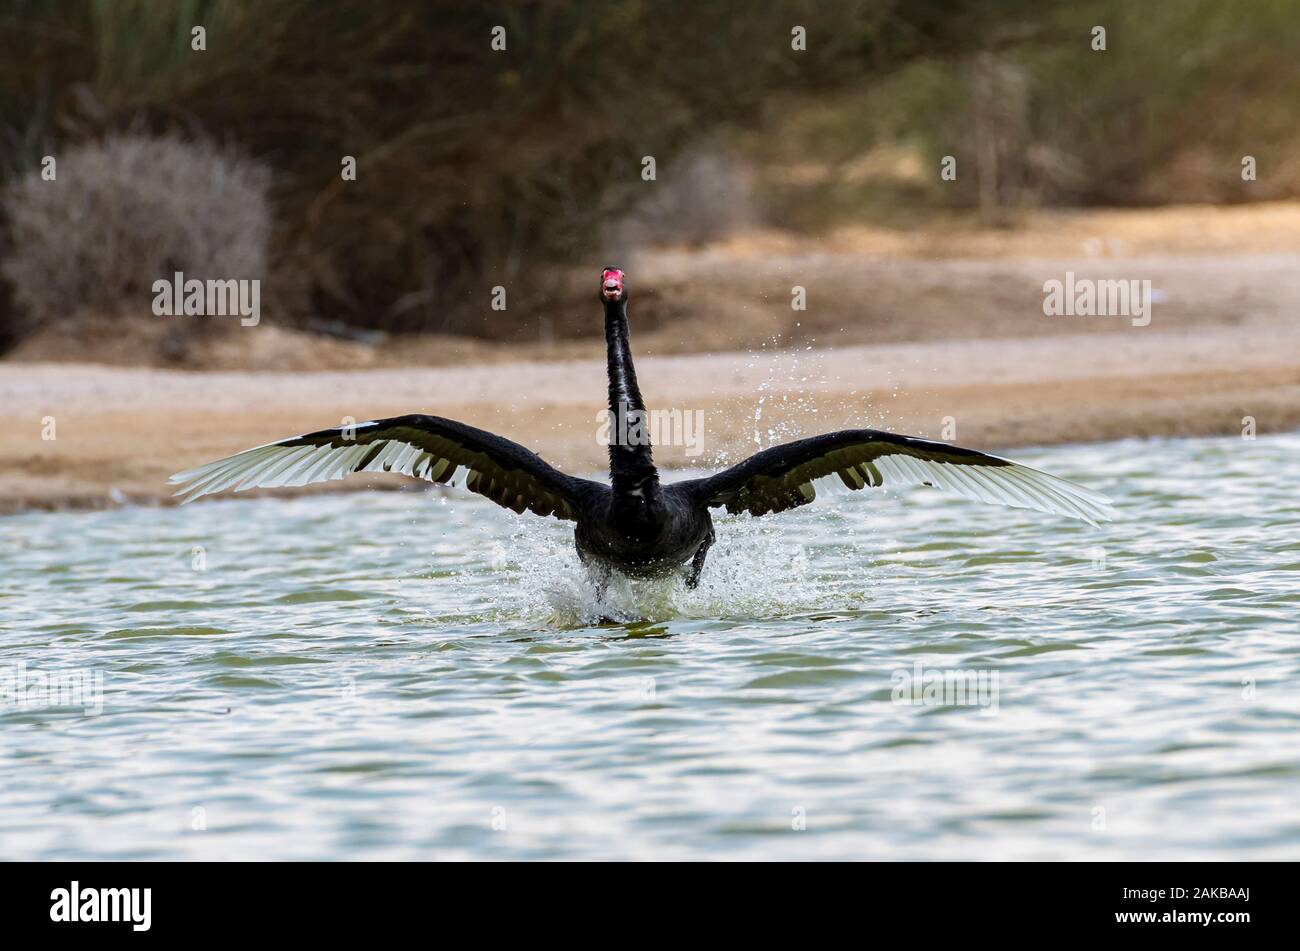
<point x="636" y="525"/>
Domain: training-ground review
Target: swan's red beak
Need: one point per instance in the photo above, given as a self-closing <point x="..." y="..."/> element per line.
<point x="611" y="283"/>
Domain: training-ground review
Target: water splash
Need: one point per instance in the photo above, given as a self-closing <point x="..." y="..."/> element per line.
<point x="754" y="570"/>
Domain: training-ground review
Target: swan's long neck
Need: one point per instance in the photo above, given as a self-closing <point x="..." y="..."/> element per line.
<point x="631" y="466"/>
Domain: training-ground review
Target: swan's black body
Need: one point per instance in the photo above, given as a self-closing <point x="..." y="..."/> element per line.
<point x="636" y="525"/>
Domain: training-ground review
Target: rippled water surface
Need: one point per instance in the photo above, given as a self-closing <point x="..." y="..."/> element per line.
<point x="402" y="675"/>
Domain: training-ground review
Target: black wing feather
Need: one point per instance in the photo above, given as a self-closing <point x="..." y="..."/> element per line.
<point x="782" y="477"/>
<point x="428" y="447"/>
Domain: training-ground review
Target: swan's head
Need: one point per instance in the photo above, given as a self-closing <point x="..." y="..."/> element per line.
<point x="611" y="284"/>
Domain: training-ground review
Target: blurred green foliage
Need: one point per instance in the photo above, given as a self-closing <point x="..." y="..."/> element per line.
<point x="474" y="167"/>
<point x="477" y="167"/>
<point x="1165" y="114"/>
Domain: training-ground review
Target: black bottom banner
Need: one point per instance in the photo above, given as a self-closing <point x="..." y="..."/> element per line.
<point x="1219" y="902"/>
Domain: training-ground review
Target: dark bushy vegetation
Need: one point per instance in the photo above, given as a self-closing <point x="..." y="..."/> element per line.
<point x="477" y="168"/>
<point x="474" y="167"/>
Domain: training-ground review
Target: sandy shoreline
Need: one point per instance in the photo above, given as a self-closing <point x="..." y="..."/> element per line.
<point x="903" y="329"/>
<point x="119" y="432"/>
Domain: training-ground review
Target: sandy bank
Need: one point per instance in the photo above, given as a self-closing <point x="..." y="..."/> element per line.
<point x="119" y="432"/>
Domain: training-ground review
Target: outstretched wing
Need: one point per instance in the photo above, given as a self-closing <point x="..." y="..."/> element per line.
<point x="781" y="478"/>
<point x="427" y="447"/>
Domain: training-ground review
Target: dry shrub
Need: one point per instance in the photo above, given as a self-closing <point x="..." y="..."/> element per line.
<point x="702" y="196"/>
<point x="122" y="213"/>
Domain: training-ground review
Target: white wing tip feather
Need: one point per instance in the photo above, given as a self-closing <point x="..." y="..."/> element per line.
<point x="275" y="464"/>
<point x="1065" y="497"/>
<point x="1013" y="485"/>
<point x="268" y="466"/>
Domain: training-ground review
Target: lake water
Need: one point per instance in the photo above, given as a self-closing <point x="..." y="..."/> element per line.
<point x="412" y="675"/>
